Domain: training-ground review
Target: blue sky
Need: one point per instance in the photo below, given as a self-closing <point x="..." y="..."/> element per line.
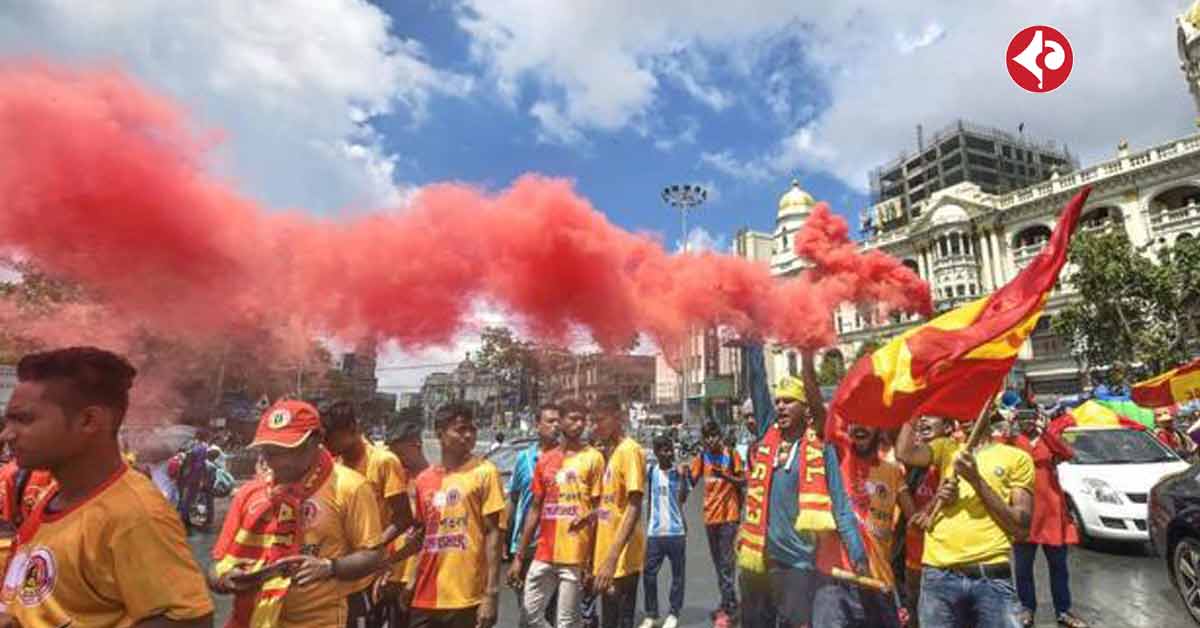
<point x="484" y="141"/>
<point x="344" y="106"/>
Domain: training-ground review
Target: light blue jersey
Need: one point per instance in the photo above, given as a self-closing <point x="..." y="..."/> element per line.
<point x="667" y="490"/>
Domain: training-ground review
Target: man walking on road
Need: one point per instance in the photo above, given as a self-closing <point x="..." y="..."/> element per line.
<point x="721" y="470"/>
<point x="520" y="495"/>
<point x="299" y="540"/>
<point x="566" y="491"/>
<point x="666" y="531"/>
<point x="620" y="537"/>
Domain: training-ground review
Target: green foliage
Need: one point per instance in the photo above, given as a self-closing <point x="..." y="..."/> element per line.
<point x="831" y="371"/>
<point x="1136" y="316"/>
<point x="513" y="362"/>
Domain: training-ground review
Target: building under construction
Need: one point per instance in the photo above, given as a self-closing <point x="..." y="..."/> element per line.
<point x="997" y="161"/>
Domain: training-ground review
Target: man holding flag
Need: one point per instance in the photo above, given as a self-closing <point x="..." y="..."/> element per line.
<point x="953" y="366"/>
<point x="793" y="493"/>
<point x="967" y="545"/>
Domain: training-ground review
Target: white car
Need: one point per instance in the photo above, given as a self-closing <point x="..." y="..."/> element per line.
<point x="1108" y="482"/>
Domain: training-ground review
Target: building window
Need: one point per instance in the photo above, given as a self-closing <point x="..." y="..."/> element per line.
<point x="793" y="370"/>
<point x="961" y="290"/>
<point x="942" y="248"/>
<point x="954" y="247"/>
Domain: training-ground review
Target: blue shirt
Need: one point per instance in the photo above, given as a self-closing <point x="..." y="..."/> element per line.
<point x="521" y="483"/>
<point x="787" y="546"/>
<point x="666" y="489"/>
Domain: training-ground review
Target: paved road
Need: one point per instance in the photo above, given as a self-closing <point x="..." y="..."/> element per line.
<point x="1113" y="585"/>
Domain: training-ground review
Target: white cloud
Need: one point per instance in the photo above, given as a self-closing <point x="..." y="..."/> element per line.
<point x="554" y="127"/>
<point x="882" y="69"/>
<point x="907" y="43"/>
<point x="685" y="137"/>
<point x="700" y="239"/>
<point x="1125" y="82"/>
<point x="295" y="84"/>
<point x="603" y="64"/>
<point x="725" y="162"/>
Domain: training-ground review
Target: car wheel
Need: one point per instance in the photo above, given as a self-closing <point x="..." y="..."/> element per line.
<point x="1186" y="560"/>
<point x="1084" y="539"/>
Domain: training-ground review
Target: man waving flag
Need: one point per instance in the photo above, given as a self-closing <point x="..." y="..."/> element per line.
<point x="953" y="364"/>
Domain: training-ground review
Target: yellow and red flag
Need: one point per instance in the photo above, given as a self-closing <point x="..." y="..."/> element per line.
<point x="1176" y="386"/>
<point x="952" y="365"/>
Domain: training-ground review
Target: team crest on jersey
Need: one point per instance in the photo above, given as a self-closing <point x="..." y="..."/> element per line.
<point x="310" y="510"/>
<point x="279" y="419"/>
<point x="453" y="496"/>
<point x="36" y="571"/>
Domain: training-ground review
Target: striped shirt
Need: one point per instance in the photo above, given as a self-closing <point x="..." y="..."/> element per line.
<point x="667" y="489"/>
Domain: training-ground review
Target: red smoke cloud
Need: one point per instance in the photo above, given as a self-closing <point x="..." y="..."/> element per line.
<point x="105" y="183"/>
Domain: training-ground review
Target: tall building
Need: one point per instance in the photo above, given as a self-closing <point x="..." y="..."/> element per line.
<point x="588" y="377"/>
<point x="994" y="160"/>
<point x="966" y="241"/>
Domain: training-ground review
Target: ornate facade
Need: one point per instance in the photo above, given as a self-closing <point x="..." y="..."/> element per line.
<point x="967" y="242"/>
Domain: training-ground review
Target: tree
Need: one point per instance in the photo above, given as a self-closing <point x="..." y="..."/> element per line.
<point x="511" y="361"/>
<point x="1134" y="315"/>
<point x="832" y="369"/>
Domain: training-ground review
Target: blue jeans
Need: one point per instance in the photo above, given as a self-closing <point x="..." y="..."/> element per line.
<point x="1056" y="560"/>
<point x="721" y="539"/>
<point x="673" y="548"/>
<point x="950" y="600"/>
<point x="842" y="605"/>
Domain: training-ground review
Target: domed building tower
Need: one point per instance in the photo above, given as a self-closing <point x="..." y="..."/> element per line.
<point x="794" y="208"/>
<point x="1188" y="38"/>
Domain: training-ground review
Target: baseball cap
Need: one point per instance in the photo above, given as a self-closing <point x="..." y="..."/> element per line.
<point x="286" y="424"/>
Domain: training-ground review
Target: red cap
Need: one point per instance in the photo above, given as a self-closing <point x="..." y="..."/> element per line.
<point x="286" y="424"/>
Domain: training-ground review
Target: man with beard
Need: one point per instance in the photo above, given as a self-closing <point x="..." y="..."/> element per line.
<point x="298" y="540"/>
<point x="794" y="490"/>
<point x="566" y="490"/>
<point x="876" y="488"/>
<point x="987" y="496"/>
<point x="459" y="504"/>
<point x="102" y="547"/>
<point x="923" y="485"/>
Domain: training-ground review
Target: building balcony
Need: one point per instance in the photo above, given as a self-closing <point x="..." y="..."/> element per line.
<point x="1166" y="219"/>
<point x="954" y="260"/>
<point x="1025" y="254"/>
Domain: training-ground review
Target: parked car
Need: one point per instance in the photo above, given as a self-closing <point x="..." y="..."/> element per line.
<point x="1175" y="529"/>
<point x="1108" y="482"/>
<point x="505" y="456"/>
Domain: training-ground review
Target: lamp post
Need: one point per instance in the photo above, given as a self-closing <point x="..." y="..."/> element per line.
<point x="684" y="198"/>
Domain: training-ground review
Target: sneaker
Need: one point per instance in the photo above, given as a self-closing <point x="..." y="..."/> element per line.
<point x="670" y="622"/>
<point x="648" y="622"/>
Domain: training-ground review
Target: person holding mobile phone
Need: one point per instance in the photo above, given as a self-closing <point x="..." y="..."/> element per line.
<point x="297" y="542"/>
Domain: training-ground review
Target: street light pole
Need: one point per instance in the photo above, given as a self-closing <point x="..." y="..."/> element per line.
<point x="684" y="198"/>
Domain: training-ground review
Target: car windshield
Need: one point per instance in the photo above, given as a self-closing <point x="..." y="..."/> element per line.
<point x="1116" y="447"/>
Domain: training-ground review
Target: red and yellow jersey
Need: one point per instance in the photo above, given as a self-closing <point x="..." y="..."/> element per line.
<point x="115" y="559"/>
<point x="883" y="484"/>
<point x="914" y="537"/>
<point x="388" y="479"/>
<point x="721" y="497"/>
<point x="340" y="518"/>
<point x="452" y="505"/>
<point x="15" y="508"/>
<point x="568" y="484"/>
<point x="624" y="475"/>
